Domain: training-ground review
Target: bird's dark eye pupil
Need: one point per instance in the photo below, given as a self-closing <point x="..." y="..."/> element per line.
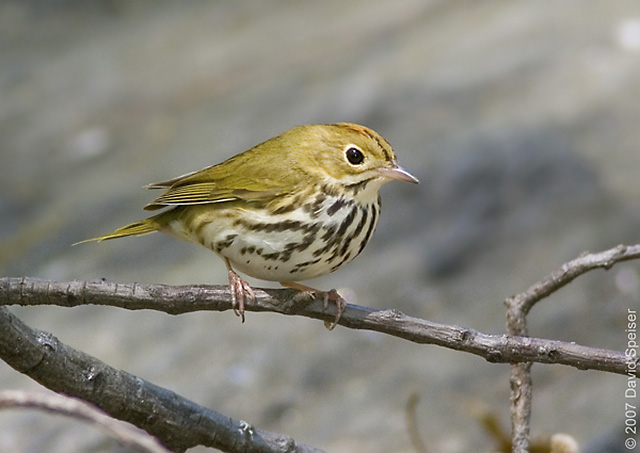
<point x="355" y="156"/>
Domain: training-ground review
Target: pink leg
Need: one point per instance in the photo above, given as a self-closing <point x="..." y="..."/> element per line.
<point x="333" y="295"/>
<point x="238" y="288"/>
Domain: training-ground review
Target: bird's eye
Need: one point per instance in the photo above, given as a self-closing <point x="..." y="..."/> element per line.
<point x="354" y="156"/>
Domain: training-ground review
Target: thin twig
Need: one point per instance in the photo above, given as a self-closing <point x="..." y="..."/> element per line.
<point x="518" y="307"/>
<point x="564" y="275"/>
<point x="412" y="423"/>
<point x="125" y="434"/>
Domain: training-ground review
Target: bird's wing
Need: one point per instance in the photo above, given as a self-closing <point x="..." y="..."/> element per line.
<point x="243" y="177"/>
<point x="206" y="193"/>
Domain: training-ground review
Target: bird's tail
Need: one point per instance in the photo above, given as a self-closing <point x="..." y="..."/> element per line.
<point x="145" y="226"/>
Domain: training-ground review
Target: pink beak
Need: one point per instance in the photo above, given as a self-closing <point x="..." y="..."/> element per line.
<point x="398" y="173"/>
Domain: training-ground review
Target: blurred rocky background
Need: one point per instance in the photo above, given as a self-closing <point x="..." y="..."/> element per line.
<point x="520" y="118"/>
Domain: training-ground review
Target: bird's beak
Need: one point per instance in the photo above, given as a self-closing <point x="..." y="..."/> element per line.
<point x="398" y="173"/>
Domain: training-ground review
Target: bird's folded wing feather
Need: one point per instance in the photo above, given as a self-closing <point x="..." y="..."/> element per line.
<point x="221" y="183"/>
<point x="206" y="193"/>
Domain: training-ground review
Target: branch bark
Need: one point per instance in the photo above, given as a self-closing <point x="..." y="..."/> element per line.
<point x="181" y="424"/>
<point x="185" y="299"/>
<point x="518" y="307"/>
<point x="177" y="422"/>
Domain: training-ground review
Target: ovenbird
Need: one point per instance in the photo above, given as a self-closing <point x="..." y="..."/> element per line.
<point x="297" y="206"/>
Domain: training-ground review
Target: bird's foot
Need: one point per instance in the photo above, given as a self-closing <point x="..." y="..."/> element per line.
<point x="239" y="290"/>
<point x="331" y="295"/>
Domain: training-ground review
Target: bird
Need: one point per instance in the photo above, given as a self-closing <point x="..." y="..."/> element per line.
<point x="297" y="206"/>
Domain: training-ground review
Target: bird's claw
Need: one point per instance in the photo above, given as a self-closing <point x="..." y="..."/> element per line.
<point x="333" y="295"/>
<point x="239" y="288"/>
<point x="341" y="305"/>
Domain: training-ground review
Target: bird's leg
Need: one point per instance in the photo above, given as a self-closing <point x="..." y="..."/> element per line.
<point x="333" y="295"/>
<point x="238" y="288"/>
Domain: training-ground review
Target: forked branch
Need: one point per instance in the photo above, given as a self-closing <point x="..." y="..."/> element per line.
<point x="171" y="417"/>
<point x="518" y="307"/>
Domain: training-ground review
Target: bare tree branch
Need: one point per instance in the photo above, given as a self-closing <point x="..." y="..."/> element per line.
<point x="520" y="406"/>
<point x="126" y="435"/>
<point x="518" y="307"/>
<point x="564" y="275"/>
<point x="177" y="422"/>
<point x="412" y="424"/>
<point x="184" y="299"/>
<point x="181" y="424"/>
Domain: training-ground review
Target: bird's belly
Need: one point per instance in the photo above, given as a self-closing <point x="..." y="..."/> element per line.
<point x="291" y="246"/>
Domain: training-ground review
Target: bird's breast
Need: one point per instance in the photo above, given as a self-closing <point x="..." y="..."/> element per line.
<point x="283" y="241"/>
